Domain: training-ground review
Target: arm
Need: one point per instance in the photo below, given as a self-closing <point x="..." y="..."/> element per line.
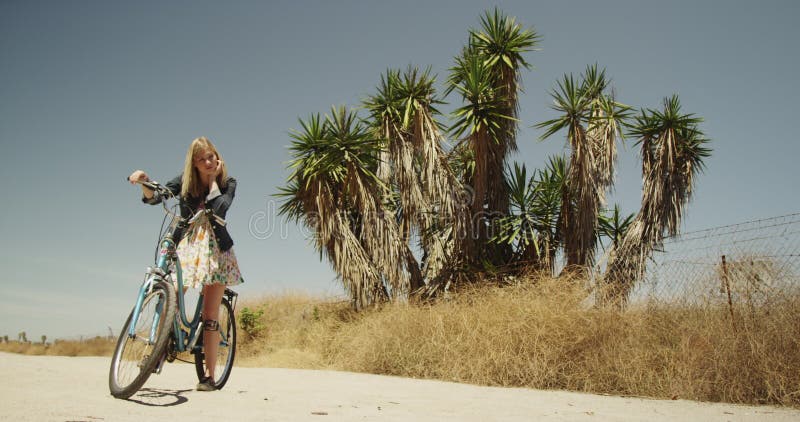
<point x="173" y="185"/>
<point x="220" y="203"/>
<point x="141" y="176"/>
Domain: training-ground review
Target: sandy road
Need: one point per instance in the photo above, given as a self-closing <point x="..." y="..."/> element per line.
<point x="47" y="388"/>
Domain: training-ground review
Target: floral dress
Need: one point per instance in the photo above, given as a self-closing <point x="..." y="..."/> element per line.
<point x="202" y="262"/>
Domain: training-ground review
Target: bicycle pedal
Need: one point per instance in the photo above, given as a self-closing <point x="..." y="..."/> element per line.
<point x="172" y="350"/>
<point x="145" y="358"/>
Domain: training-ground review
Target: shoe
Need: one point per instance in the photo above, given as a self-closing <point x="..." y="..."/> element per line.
<point x="206" y="384"/>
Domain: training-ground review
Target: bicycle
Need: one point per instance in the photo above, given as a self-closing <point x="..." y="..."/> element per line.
<point x="159" y="327"/>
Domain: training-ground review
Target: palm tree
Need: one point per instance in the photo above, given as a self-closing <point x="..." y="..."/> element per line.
<point x="429" y="193"/>
<point x="334" y="189"/>
<point x="502" y="43"/>
<point x="549" y="209"/>
<point x="673" y="150"/>
<point x="592" y="119"/>
<point x="396" y="167"/>
<point x="486" y="75"/>
<point x="445" y="194"/>
<point x="518" y="229"/>
<point x="532" y="227"/>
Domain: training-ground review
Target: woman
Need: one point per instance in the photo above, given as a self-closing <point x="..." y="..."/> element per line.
<point x="205" y="250"/>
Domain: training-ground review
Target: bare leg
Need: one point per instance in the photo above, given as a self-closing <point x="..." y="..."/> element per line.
<point x="212" y="297"/>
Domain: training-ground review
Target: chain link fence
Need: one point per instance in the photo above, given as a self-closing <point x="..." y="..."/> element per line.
<point x="750" y="264"/>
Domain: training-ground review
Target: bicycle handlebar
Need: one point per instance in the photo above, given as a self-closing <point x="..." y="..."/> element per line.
<point x="164" y="191"/>
<point x="153" y="186"/>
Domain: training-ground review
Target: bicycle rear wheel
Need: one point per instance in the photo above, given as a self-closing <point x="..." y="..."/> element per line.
<point x="135" y="357"/>
<point x="227" y="347"/>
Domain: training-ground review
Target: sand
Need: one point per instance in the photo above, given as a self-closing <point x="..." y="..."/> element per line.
<point x="55" y="388"/>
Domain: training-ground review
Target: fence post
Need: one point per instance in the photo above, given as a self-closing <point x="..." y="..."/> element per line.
<point x="728" y="289"/>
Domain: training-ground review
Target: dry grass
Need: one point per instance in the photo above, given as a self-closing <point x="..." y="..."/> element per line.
<point x="542" y="335"/>
<point x="537" y="334"/>
<point x="297" y="330"/>
<point x="97" y="346"/>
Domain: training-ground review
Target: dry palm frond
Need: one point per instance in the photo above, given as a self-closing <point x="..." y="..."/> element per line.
<point x="429" y="193"/>
<point x="334" y="186"/>
<point x="592" y="119"/>
<point x="673" y="150"/>
<point x="359" y="276"/>
<point x="445" y="197"/>
<point x="579" y="205"/>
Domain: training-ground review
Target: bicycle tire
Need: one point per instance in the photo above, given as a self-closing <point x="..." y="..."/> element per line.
<point x="227" y="349"/>
<point x="124" y="380"/>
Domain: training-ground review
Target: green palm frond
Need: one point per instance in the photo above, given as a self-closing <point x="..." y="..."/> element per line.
<point x="532" y="227"/>
<point x="694" y="148"/>
<point x="548" y="186"/>
<point x="351" y="143"/>
<point x="593" y="120"/>
<point x="651" y="123"/>
<point x="292" y="206"/>
<point x="503" y="41"/>
<point x="547" y="200"/>
<point x="324" y="150"/>
<point x="416" y="92"/>
<point x="484" y="105"/>
<point x="458" y="72"/>
<point x="387" y="102"/>
<point x="594" y="82"/>
<point x="310" y="147"/>
<point x="614" y="225"/>
<point x="518" y="187"/>
<point x="572" y="102"/>
<point x="519" y="227"/>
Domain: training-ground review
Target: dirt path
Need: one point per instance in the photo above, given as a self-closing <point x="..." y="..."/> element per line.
<point x="39" y="388"/>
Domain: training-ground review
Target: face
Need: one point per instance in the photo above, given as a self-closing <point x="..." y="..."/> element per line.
<point x="205" y="161"/>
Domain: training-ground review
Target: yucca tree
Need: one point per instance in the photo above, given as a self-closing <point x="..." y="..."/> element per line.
<point x="335" y="190"/>
<point x="532" y="227"/>
<point x="445" y="195"/>
<point x="480" y="125"/>
<point x="487" y="76"/>
<point x="502" y="43"/>
<point x="673" y="150"/>
<point x="592" y="119"/>
<point x="518" y="229"/>
<point x="549" y="209"/>
<point x="397" y="163"/>
<point x="430" y="195"/>
<point x="384" y="108"/>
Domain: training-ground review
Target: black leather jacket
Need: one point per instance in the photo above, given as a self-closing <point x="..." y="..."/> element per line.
<point x="190" y="205"/>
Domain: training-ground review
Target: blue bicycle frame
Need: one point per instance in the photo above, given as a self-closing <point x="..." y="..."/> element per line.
<point x="162" y="272"/>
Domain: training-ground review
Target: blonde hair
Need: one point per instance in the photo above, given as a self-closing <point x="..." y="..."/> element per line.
<point x="192" y="186"/>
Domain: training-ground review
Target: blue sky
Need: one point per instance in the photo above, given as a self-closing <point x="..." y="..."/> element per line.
<point x="91" y="90"/>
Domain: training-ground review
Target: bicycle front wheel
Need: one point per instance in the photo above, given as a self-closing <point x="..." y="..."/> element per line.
<point x="227" y="347"/>
<point x="137" y="355"/>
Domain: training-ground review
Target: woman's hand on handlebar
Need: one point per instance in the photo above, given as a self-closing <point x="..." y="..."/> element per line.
<point x="140" y="176"/>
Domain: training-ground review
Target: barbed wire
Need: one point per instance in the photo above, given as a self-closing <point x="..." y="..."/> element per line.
<point x="762" y="222"/>
<point x="752" y="262"/>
